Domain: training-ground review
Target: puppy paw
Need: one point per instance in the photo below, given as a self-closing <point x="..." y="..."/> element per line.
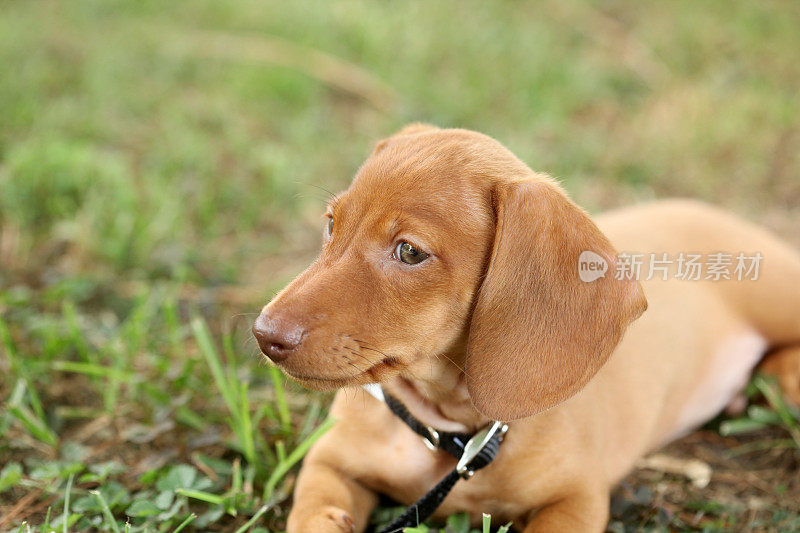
<point x="328" y="519"/>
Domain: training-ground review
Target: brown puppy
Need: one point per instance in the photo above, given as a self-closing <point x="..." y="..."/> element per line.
<point x="450" y="275"/>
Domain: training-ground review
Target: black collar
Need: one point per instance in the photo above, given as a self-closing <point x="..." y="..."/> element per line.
<point x="472" y="451"/>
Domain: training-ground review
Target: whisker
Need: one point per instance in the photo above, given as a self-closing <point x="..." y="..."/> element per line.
<point x="456" y="365"/>
<point x="331" y="199"/>
<point x="332" y="196"/>
<point x="313" y="194"/>
<point x="361" y="355"/>
<point x="359" y="370"/>
<point x="380" y="352"/>
<point x="248" y="343"/>
<point x="237" y="315"/>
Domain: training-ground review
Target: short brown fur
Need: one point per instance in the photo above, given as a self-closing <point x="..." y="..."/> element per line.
<point x="497" y="325"/>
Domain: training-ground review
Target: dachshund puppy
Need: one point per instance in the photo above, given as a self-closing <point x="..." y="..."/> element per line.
<point x="451" y="275"/>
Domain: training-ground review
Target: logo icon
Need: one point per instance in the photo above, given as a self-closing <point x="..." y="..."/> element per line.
<point x="591" y="266"/>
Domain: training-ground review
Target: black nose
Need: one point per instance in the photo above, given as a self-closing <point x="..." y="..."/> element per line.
<point x="277" y="337"/>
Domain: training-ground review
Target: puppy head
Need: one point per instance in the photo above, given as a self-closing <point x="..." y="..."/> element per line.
<point x="446" y="239"/>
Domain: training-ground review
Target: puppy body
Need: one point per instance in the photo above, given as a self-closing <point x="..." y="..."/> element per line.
<point x="678" y="365"/>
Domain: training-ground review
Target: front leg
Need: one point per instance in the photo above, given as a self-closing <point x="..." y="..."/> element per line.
<point x="328" y="496"/>
<point x="328" y="501"/>
<point x="583" y="511"/>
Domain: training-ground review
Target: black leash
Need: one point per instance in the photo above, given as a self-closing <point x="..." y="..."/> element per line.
<point x="472" y="451"/>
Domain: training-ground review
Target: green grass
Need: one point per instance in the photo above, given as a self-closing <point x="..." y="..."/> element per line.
<point x="778" y="413"/>
<point x="163" y="168"/>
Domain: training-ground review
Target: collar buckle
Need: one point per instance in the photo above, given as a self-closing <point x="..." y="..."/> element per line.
<point x="476" y="444"/>
<point x="432" y="440"/>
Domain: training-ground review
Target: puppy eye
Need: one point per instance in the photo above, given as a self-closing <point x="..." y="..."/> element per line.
<point x="408" y="254"/>
<point x="329" y="229"/>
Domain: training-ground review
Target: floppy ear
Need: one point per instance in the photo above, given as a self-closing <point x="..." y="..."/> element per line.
<point x="408" y="129"/>
<point x="538" y="333"/>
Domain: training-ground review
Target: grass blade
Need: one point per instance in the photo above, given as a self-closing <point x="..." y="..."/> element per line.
<point x="46" y="525"/>
<point x="763" y="415"/>
<point x="35" y="425"/>
<point x="208" y="350"/>
<point x="202" y="496"/>
<point x="70" y="315"/>
<point x="738" y="426"/>
<point x="280" y="398"/>
<point x="250" y="523"/>
<point x="106" y="510"/>
<point x="772" y="393"/>
<point x="280" y="450"/>
<point x="8" y="346"/>
<point x="189" y="520"/>
<point x="284" y="466"/>
<point x="65" y="515"/>
<point x="91" y="369"/>
<point x="246" y="437"/>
